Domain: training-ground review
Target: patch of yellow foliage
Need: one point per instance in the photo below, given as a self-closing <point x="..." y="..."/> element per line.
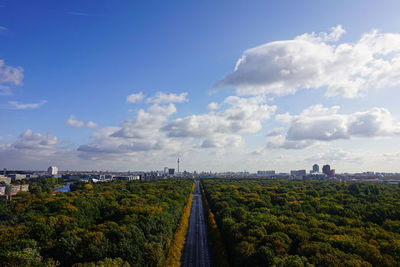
<point x="175" y="251"/>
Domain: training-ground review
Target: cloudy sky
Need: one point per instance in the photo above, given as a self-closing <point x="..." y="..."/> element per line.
<point x="224" y="85"/>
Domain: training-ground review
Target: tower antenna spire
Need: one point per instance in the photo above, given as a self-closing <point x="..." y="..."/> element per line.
<point x="178" y="164"/>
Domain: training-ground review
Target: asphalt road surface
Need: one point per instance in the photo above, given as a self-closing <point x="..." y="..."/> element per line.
<point x="196" y="250"/>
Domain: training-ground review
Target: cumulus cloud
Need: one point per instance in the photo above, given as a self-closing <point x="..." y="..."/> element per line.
<point x="103" y="143"/>
<point x="91" y="124"/>
<point x="333" y="36"/>
<point x="133" y="98"/>
<point x="35" y="141"/>
<point x="318" y="123"/>
<point x="162" y="97"/>
<point x="146" y="123"/>
<point x="334" y="154"/>
<point x="313" y="61"/>
<point x="222" y="141"/>
<point x="213" y="106"/>
<point x="73" y="121"/>
<point x="152" y="129"/>
<point x="241" y="115"/>
<point x="33" y="150"/>
<point x="10" y="75"/>
<point x="140" y="134"/>
<point x="275" y="132"/>
<point x="19" y="105"/>
<point x="280" y="141"/>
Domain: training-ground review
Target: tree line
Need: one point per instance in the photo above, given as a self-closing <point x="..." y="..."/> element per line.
<point x="126" y="223"/>
<point x="306" y="223"/>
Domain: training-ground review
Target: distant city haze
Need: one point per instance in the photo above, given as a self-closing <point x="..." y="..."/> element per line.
<point x="223" y="86"/>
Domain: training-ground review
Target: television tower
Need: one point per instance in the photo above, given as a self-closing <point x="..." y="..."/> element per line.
<point x="178" y="164"/>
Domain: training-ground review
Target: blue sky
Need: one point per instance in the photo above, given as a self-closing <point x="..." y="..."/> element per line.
<point x="75" y="62"/>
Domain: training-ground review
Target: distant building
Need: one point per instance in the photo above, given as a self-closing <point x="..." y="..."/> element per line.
<point x="52" y="170"/>
<point x="171" y="171"/>
<point x="332" y="172"/>
<point x="2" y="190"/>
<point x="24" y="188"/>
<point x="16" y="177"/>
<point x="109" y="177"/>
<point x="12" y="189"/>
<point x="165" y="170"/>
<point x="326" y="169"/>
<point x="265" y="173"/>
<point x="128" y="177"/>
<point x="315" y="168"/>
<point x="298" y="173"/>
<point x="31" y="176"/>
<point x="5" y="179"/>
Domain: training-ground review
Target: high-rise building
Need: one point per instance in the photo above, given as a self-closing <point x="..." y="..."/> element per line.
<point x="52" y="170"/>
<point x="326" y="169"/>
<point x="171" y="171"/>
<point x="315" y="168"/>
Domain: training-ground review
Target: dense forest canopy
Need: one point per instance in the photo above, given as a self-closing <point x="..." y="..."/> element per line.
<point x="305" y="223"/>
<point x="131" y="222"/>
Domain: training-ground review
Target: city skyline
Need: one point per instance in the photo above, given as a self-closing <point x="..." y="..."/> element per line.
<point x="221" y="86"/>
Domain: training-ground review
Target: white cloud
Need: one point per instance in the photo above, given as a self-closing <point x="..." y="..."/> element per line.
<point x="35" y="151"/>
<point x="73" y="121"/>
<point x="133" y="98"/>
<point x="10" y="75"/>
<point x="35" y="141"/>
<point x="213" y="106"/>
<point x="151" y="130"/>
<point x="19" y="105"/>
<point x="280" y="141"/>
<point x="146" y="123"/>
<point x="162" y="97"/>
<point x="333" y="36"/>
<point x="91" y="124"/>
<point x="319" y="110"/>
<point x="275" y="131"/>
<point x="318" y="123"/>
<point x="241" y="116"/>
<point x="335" y="154"/>
<point x="140" y="134"/>
<point x="310" y="61"/>
<point x="222" y="141"/>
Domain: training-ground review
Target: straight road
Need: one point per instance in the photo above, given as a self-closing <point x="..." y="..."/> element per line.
<point x="196" y="250"/>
